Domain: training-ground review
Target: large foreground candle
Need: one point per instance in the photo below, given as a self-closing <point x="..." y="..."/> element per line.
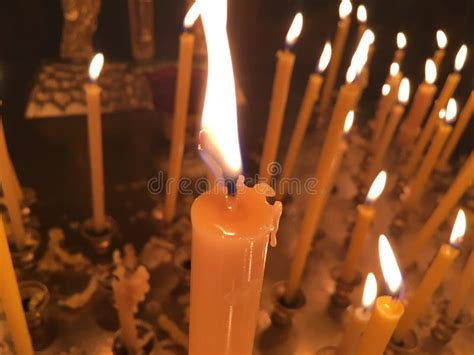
<point x="399" y="54"/>
<point x="181" y="101"/>
<point x="432" y="279"/>
<point x="387" y="310"/>
<point x="345" y="9"/>
<point x="463" y="285"/>
<point x="365" y="216"/>
<point x="442" y="41"/>
<point x="231" y="226"/>
<point x="11" y="299"/>
<point x="463" y="180"/>
<point x="94" y="129"/>
<point x="281" y="86"/>
<point x="310" y="97"/>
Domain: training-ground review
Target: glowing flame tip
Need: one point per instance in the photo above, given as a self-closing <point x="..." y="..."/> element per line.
<point x="95" y="67"/>
<point x="377" y="186"/>
<point x="401" y="40"/>
<point x="441" y="39"/>
<point x="388" y="262"/>
<point x="459" y="228"/>
<point x="404" y="91"/>
<point x="351" y="74"/>
<point x="361" y="14"/>
<point x="394" y="69"/>
<point x="348" y="122"/>
<point x="345" y="8"/>
<point x="370" y="291"/>
<point x="430" y="71"/>
<point x="451" y="110"/>
<point x="325" y="57"/>
<point x="385" y="89"/>
<point x="460" y="58"/>
<point x="295" y="29"/>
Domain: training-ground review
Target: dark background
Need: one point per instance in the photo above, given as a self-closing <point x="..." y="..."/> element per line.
<point x="52" y="153"/>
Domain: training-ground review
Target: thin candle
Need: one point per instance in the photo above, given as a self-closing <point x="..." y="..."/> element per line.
<point x="181" y="102"/>
<point x="399" y="54"/>
<point x="310" y="97"/>
<point x="362" y="20"/>
<point x="432" y="279"/>
<point x="463" y="285"/>
<point x="281" y="86"/>
<point x="442" y="41"/>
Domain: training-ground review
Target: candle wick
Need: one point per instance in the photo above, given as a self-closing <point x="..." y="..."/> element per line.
<point x="231" y="186"/>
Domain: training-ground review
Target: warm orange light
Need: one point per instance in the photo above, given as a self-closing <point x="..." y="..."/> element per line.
<point x="351" y="74"/>
<point x="441" y="39"/>
<point x="394" y="69"/>
<point x="219" y="116"/>
<point x="459" y="228"/>
<point x="377" y="187"/>
<point x="360" y="55"/>
<point x="401" y="40"/>
<point x="95" y="67"/>
<point x="385" y="89"/>
<point x="430" y="71"/>
<point x="451" y="110"/>
<point x="370" y="291"/>
<point x="460" y="58"/>
<point x="348" y="122"/>
<point x="325" y="57"/>
<point x="361" y="14"/>
<point x="191" y="16"/>
<point x="442" y="113"/>
<point x="404" y="91"/>
<point x="295" y="29"/>
<point x="388" y="262"/>
<point x="345" y="8"/>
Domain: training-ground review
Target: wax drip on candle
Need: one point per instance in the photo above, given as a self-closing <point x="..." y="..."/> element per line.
<point x="191" y="16"/>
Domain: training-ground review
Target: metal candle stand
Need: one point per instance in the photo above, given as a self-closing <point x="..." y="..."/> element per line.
<point x="409" y="345"/>
<point x="283" y="313"/>
<point x="341" y="298"/>
<point x="100" y="243"/>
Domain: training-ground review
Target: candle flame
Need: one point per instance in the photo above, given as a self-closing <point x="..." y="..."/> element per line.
<point x="451" y="110"/>
<point x="388" y="263"/>
<point x="441" y="39"/>
<point x="351" y="74"/>
<point x="370" y="291"/>
<point x="361" y="14"/>
<point x="219" y="116"/>
<point x="295" y="29"/>
<point x="401" y="40"/>
<point x="95" y="67"/>
<point x="325" y="57"/>
<point x="191" y="16"/>
<point x="459" y="228"/>
<point x="348" y="122"/>
<point x="385" y="89"/>
<point x="345" y="8"/>
<point x="377" y="187"/>
<point x="394" y="69"/>
<point x="404" y="91"/>
<point x="430" y="71"/>
<point x="442" y="113"/>
<point x="460" y="58"/>
<point x="361" y="53"/>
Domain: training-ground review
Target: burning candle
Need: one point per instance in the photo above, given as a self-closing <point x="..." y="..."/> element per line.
<point x="345" y="9"/>
<point x="183" y="82"/>
<point x="442" y="41"/>
<point x="360" y="61"/>
<point x="357" y="318"/>
<point x="11" y="197"/>
<point x="231" y="226"/>
<point x="464" y="284"/>
<point x="362" y="20"/>
<point x="430" y="125"/>
<point x="387" y="310"/>
<point x="365" y="216"/>
<point x="281" y="86"/>
<point x="461" y="124"/>
<point x="385" y="104"/>
<point x="389" y="131"/>
<point x="94" y="128"/>
<point x="432" y="279"/>
<point x="310" y="97"/>
<point x="399" y="54"/>
<point x="11" y="299"/>
<point x="463" y="180"/>
<point x="422" y="101"/>
<point x="418" y="183"/>
<point x="325" y="176"/>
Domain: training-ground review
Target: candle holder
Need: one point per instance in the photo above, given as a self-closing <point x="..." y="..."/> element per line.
<point x="35" y="299"/>
<point x="283" y="312"/>
<point x="340" y="299"/>
<point x="182" y="262"/>
<point x="23" y="259"/>
<point x="99" y="242"/>
<point x="409" y="344"/>
<point x="146" y="336"/>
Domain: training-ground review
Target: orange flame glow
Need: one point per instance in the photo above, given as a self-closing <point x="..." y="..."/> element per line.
<point x="95" y="67"/>
<point x="377" y="187"/>
<point x="295" y="29"/>
<point x="370" y="291"/>
<point x="191" y="16"/>
<point x="430" y="71"/>
<point x="441" y="39"/>
<point x="460" y="58"/>
<point x="388" y="262"/>
<point x="401" y="40"/>
<point x="459" y="229"/>
<point x="404" y="91"/>
<point x="325" y="57"/>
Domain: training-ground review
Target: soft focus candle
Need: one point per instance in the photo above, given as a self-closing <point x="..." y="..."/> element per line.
<point x="461" y="183"/>
<point x="310" y="97"/>
<point x="463" y="285"/>
<point x="181" y="101"/>
<point x="365" y="216"/>
<point x="356" y="318"/>
<point x="94" y="130"/>
<point x="432" y="279"/>
<point x="422" y="101"/>
<point x="442" y="41"/>
<point x="387" y="310"/>
<point x="345" y="9"/>
<point x="362" y="20"/>
<point x="281" y="86"/>
<point x="399" y="54"/>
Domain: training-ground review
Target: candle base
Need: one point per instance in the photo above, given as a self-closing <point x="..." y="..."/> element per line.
<point x="35" y="299"/>
<point x="283" y="313"/>
<point x="182" y="262"/>
<point x="146" y="339"/>
<point x="24" y="259"/>
<point x="409" y="344"/>
<point x="327" y="350"/>
<point x="340" y="299"/>
<point x="99" y="242"/>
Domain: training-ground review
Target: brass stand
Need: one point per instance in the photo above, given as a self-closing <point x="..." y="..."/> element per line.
<point x="100" y="242"/>
<point x="283" y="313"/>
